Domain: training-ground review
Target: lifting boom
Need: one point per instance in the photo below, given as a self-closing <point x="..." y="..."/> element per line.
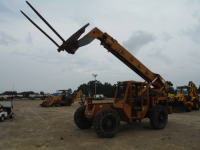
<point x="119" y="51"/>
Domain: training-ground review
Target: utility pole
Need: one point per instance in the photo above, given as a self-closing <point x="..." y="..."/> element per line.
<point x="13" y="89"/>
<point x="95" y="75"/>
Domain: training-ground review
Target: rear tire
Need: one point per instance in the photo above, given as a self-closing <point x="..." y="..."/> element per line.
<point x="80" y="120"/>
<point x="68" y="101"/>
<point x="159" y="117"/>
<point x="12" y="115"/>
<point x="106" y="123"/>
<point x="2" y="118"/>
<point x="196" y="105"/>
<point x="188" y="107"/>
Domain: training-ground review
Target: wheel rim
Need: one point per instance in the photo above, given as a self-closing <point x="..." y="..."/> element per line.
<point x="109" y="123"/>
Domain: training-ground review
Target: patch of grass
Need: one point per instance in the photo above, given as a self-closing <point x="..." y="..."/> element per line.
<point x="39" y="145"/>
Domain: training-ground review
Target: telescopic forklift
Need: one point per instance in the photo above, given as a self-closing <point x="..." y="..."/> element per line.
<point x="133" y="100"/>
<point x="186" y="98"/>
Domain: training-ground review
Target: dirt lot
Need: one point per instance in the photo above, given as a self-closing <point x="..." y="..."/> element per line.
<point x="40" y="128"/>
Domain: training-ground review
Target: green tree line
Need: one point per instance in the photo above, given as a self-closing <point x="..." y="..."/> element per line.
<point x="106" y="89"/>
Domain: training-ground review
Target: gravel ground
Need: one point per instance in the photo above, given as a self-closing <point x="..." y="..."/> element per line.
<point x="40" y="128"/>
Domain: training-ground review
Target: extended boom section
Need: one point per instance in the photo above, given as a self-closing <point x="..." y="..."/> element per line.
<point x="121" y="53"/>
<point x="127" y="58"/>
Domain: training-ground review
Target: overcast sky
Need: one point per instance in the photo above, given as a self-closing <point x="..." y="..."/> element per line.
<point x="163" y="35"/>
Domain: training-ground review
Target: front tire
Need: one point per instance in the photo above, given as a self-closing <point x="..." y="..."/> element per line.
<point x="106" y="123"/>
<point x="159" y="117"/>
<point x="80" y="120"/>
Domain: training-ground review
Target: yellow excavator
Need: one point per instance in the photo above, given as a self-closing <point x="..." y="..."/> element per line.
<point x="63" y="99"/>
<point x="186" y="98"/>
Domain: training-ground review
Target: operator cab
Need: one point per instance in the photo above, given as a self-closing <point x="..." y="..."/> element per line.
<point x="134" y="95"/>
<point x="131" y="90"/>
<point x="183" y="90"/>
<point x="121" y="86"/>
<point x="63" y="94"/>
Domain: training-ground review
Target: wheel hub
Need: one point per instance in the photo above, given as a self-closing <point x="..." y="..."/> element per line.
<point x="161" y="117"/>
<point x="108" y="123"/>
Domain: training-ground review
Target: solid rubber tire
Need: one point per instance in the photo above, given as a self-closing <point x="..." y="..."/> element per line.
<point x="80" y="120"/>
<point x="99" y="125"/>
<point x="12" y="115"/>
<point x="155" y="121"/>
<point x="187" y="107"/>
<point x="68" y="101"/>
<point x="196" y="105"/>
<point x="2" y="118"/>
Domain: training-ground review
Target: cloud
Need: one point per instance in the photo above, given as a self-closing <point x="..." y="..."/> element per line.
<point x="138" y="40"/>
<point x="155" y="41"/>
<point x="159" y="55"/>
<point x="6" y="11"/>
<point x="166" y="36"/>
<point x="67" y="61"/>
<point x="29" y="39"/>
<point x="4" y="8"/>
<point x="44" y="57"/>
<point x="196" y="14"/>
<point x="7" y="40"/>
<point x="193" y="33"/>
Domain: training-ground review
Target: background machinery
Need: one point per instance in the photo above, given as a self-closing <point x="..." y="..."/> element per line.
<point x="133" y="100"/>
<point x="63" y="99"/>
<point x="186" y="98"/>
